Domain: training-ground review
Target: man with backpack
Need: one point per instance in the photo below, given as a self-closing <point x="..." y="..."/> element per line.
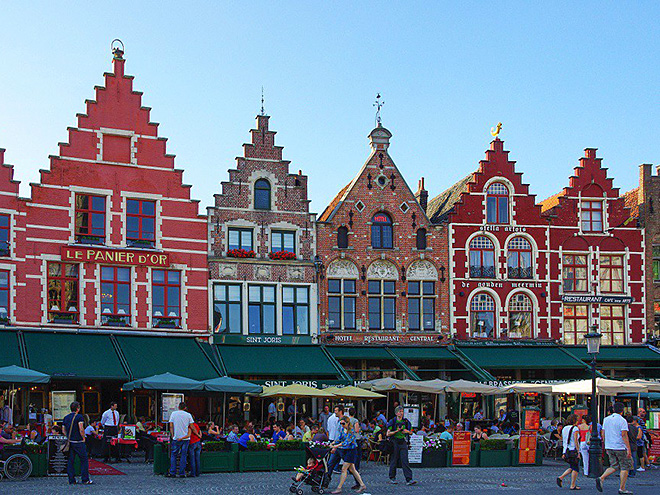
<point x="398" y="431"/>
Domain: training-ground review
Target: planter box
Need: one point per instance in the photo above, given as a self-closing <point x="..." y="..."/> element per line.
<point x="39" y="464"/>
<point x="161" y="458"/>
<point x="494" y="458"/>
<point x="288" y="460"/>
<point x="219" y="462"/>
<point x="255" y="460"/>
<point x="434" y="458"/>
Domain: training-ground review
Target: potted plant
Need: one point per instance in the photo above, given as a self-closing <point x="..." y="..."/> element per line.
<point x="38" y="457"/>
<point x="165" y="322"/>
<point x="65" y="318"/>
<point x="218" y="458"/>
<point x="434" y="452"/>
<point x="289" y="454"/>
<point x="282" y="255"/>
<point x="494" y="453"/>
<point x="241" y="253"/>
<point x="256" y="457"/>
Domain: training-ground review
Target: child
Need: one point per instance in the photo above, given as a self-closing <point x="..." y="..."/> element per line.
<point x="302" y="472"/>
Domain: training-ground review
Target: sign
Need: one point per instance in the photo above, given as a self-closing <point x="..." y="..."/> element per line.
<point x="79" y="254"/>
<point x="60" y="402"/>
<point x="437" y="339"/>
<point x="129" y="432"/>
<point x="527" y="447"/>
<point x="170" y="404"/>
<point x="308" y="383"/>
<point x="654" y="419"/>
<point x="532" y="419"/>
<point x="468" y="395"/>
<point x="460" y="449"/>
<point x="220" y="338"/>
<point x="654" y="451"/>
<point x="411" y="413"/>
<point x="597" y="299"/>
<point x="56" y="460"/>
<point x="580" y="411"/>
<point x="415" y="449"/>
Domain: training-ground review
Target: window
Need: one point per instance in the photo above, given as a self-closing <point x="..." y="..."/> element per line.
<point x="611" y="273"/>
<point x="381" y="231"/>
<point x="239" y="239"/>
<point x="295" y="310"/>
<point x="341" y="304"/>
<point x="482" y="316"/>
<point x="421" y="306"/>
<point x="574" y="272"/>
<point x="656" y="263"/>
<point x="227" y="316"/>
<point x="521" y="324"/>
<point x="421" y="239"/>
<point x="519" y="258"/>
<point x="262" y="194"/>
<point x="140" y="223"/>
<point x="62" y="293"/>
<point x="342" y="237"/>
<point x="497" y="203"/>
<point x="166" y="286"/>
<point x="482" y="258"/>
<point x="576" y="321"/>
<point x="4" y="235"/>
<point x="612" y="325"/>
<point x="4" y="297"/>
<point x="592" y="216"/>
<point x="115" y="296"/>
<point x="90" y="219"/>
<point x="261" y="309"/>
<point x="283" y="241"/>
<point x="382" y="305"/>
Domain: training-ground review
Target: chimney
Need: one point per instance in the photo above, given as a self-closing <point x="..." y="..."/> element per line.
<point x="422" y="195"/>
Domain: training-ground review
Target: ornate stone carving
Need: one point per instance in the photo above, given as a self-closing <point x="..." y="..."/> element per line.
<point x="382" y="269"/>
<point x="227" y="270"/>
<point x="422" y="270"/>
<point x="261" y="271"/>
<point x="295" y="272"/>
<point x="342" y="269"/>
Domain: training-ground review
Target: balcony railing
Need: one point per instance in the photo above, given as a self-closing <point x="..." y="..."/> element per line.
<point x="520" y="272"/>
<point x="482" y="271"/>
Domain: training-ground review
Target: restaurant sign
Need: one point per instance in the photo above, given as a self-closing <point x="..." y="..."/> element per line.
<point x="596" y="299"/>
<point x="86" y="254"/>
<point x="389" y="339"/>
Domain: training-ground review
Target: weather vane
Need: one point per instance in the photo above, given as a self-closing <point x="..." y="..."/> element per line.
<point x="378" y="104"/>
<point x="495" y="131"/>
<point x="263" y="112"/>
<point x="117" y="51"/>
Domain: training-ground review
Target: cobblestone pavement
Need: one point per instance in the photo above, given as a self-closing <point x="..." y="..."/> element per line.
<point x="483" y="481"/>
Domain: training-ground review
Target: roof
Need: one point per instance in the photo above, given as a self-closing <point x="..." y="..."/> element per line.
<point x="551" y="202"/>
<point x="439" y="207"/>
<point x="631" y="200"/>
<point x="334" y="204"/>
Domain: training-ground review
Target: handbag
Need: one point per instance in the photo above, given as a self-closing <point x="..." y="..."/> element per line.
<point x="571" y="455"/>
<point x="64" y="448"/>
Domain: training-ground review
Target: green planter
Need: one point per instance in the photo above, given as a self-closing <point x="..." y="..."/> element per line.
<point x="39" y="463"/>
<point x="255" y="460"/>
<point x="495" y="458"/>
<point x="434" y="458"/>
<point x="288" y="460"/>
<point x="219" y="462"/>
<point x="475" y="455"/>
<point x="161" y="458"/>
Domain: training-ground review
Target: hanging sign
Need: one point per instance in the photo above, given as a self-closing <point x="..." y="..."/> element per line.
<point x="527" y="447"/>
<point x="78" y="254"/>
<point x="597" y="299"/>
<point x="460" y="450"/>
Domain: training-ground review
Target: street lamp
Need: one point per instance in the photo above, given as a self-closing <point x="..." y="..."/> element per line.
<point x="595" y="447"/>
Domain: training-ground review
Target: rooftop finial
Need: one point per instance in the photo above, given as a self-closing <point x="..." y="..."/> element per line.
<point x="495" y="131"/>
<point x="117" y="47"/>
<point x="378" y="104"/>
<point x="263" y="112"/>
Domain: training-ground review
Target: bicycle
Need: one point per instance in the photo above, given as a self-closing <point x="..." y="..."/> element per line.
<point x="15" y="466"/>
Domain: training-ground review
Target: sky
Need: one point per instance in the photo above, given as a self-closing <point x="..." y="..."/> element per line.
<point x="560" y="76"/>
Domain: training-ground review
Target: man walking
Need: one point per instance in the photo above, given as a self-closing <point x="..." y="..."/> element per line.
<point x="617" y="446"/>
<point x="110" y="423"/>
<point x="74" y="429"/>
<point x="398" y="429"/>
<point x="180" y="422"/>
<point x="333" y="435"/>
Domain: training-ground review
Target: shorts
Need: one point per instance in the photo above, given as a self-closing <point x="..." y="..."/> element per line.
<point x="348" y="455"/>
<point x="619" y="460"/>
<point x="573" y="461"/>
<point x="640" y="451"/>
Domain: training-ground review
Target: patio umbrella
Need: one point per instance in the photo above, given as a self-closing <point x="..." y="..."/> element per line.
<point x="165" y="381"/>
<point x="294" y="391"/>
<point x="15" y="374"/>
<point x="650" y="385"/>
<point x="522" y="388"/>
<point x="604" y="386"/>
<point x="351" y="392"/>
<point x="387" y="384"/>
<point x="226" y="385"/>
<point x="466" y="386"/>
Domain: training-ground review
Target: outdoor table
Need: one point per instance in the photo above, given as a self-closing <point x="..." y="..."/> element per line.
<point x="123" y="445"/>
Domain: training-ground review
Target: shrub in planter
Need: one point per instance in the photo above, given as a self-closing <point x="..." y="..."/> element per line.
<point x="494" y="453"/>
<point x="257" y="446"/>
<point x="493" y="444"/>
<point x="289" y="445"/>
<point x="38" y="457"/>
<point x="434" y="452"/>
<point x="215" y="446"/>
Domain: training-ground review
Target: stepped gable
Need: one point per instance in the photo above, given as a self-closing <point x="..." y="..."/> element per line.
<point x="7" y="182"/>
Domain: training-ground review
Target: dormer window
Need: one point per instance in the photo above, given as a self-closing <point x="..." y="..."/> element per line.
<point x="592" y="216"/>
<point x="262" y="195"/>
<point x="497" y="203"/>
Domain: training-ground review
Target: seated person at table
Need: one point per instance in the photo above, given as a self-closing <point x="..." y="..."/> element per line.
<point x="278" y="433"/>
<point x="139" y="426"/>
<point x="479" y="434"/>
<point x="480" y="415"/>
<point x="289" y="433"/>
<point x="8" y="437"/>
<point x="444" y="434"/>
<point x="246" y="437"/>
<point x="320" y="436"/>
<point x="307" y="437"/>
<point x="212" y="429"/>
<point x="55" y="430"/>
<point x="91" y="438"/>
<point x="233" y="436"/>
<point x="379" y="432"/>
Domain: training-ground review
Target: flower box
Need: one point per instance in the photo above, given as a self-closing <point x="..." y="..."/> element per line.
<point x="255" y="460"/>
<point x="219" y="462"/>
<point x="241" y="253"/>
<point x="288" y="460"/>
<point x="282" y="255"/>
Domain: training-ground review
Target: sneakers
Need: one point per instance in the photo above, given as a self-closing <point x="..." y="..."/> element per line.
<point x="599" y="484"/>
<point x="411" y="482"/>
<point x="641" y="469"/>
<point x="88" y="482"/>
<point x="393" y="481"/>
<point x="625" y="492"/>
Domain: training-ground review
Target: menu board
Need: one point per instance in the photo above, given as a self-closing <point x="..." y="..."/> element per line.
<point x="411" y="413"/>
<point x="654" y="451"/>
<point x="580" y="411"/>
<point x="532" y="419"/>
<point x="654" y="419"/>
<point x="527" y="447"/>
<point x="415" y="449"/>
<point x="170" y="404"/>
<point x="60" y="402"/>
<point x="56" y="460"/>
<point x="460" y="451"/>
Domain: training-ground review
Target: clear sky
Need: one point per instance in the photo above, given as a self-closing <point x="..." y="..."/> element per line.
<point x="561" y="76"/>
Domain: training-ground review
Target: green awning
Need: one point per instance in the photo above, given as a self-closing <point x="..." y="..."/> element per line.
<point x="617" y="353"/>
<point x="147" y="356"/>
<point x="75" y="356"/>
<point x="361" y="352"/>
<point x="424" y="353"/>
<point x="521" y="357"/>
<point x="246" y="360"/>
<point x="10" y="353"/>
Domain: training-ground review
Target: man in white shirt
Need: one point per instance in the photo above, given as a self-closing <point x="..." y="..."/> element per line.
<point x="333" y="435"/>
<point x="110" y="424"/>
<point x="617" y="446"/>
<point x="180" y="422"/>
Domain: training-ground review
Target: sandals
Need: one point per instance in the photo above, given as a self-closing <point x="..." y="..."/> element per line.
<point x="559" y="482"/>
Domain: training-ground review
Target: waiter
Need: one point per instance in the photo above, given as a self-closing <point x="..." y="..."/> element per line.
<point x="110" y="423"/>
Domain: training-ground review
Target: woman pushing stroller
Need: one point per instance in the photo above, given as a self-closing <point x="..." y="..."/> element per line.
<point x="348" y="451"/>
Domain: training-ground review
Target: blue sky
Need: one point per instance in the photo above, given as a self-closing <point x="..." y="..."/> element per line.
<point x="560" y="76"/>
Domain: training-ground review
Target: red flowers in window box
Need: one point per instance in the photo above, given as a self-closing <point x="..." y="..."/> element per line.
<point x="241" y="253"/>
<point x="282" y="255"/>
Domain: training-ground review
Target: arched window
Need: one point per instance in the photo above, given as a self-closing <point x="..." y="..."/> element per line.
<point x="482" y="316"/>
<point x="342" y="237"/>
<point x="381" y="231"/>
<point x="521" y="324"/>
<point x="519" y="258"/>
<point x="482" y="258"/>
<point x="262" y="194"/>
<point x="421" y="239"/>
<point x="497" y="203"/>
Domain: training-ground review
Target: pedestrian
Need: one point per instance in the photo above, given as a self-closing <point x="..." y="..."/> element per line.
<point x="346" y="445"/>
<point x="571" y="452"/>
<point x="584" y="435"/>
<point x="644" y="459"/>
<point x="74" y="429"/>
<point x="639" y="444"/>
<point x="323" y="417"/>
<point x="633" y="432"/>
<point x="398" y="429"/>
<point x="195" y="450"/>
<point x="110" y="424"/>
<point x="180" y="422"/>
<point x="617" y="446"/>
<point x="272" y="410"/>
<point x="334" y="429"/>
<point x="357" y="430"/>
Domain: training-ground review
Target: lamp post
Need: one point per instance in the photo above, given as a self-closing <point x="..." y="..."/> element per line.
<point x="595" y="447"/>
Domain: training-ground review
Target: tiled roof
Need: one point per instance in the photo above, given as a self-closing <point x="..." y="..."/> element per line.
<point x="334" y="204"/>
<point x="551" y="202"/>
<point x="439" y="207"/>
<point x="631" y="200"/>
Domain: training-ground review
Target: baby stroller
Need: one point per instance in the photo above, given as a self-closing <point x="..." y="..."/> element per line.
<point x="317" y="476"/>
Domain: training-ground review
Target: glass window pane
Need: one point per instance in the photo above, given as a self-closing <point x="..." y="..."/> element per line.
<point x="429" y="314"/>
<point x="269" y="318"/>
<point x="123" y="294"/>
<point x="413" y="288"/>
<point x="254" y="318"/>
<point x="107" y="273"/>
<point x="349" y="312"/>
<point x="388" y="287"/>
<point x="429" y="288"/>
<point x="234" y="241"/>
<point x="148" y="208"/>
<point x="301" y="295"/>
<point x="302" y="320"/>
<point x="287" y="294"/>
<point x="504" y="210"/>
<point x="98" y="203"/>
<point x="374" y="286"/>
<point x="234" y="293"/>
<point x="235" y="318"/>
<point x="159" y="276"/>
<point x="123" y="274"/>
<point x="254" y="293"/>
<point x="375" y="237"/>
<point x="246" y="239"/>
<point x="287" y="320"/>
<point x="334" y="286"/>
<point x="387" y="236"/>
<point x="334" y="304"/>
<point x="159" y="297"/>
<point x="413" y="306"/>
<point x="132" y="206"/>
<point x="349" y="286"/>
<point x="173" y="301"/>
<point x="173" y="277"/>
<point x="269" y="293"/>
<point x="219" y="292"/>
<point x="491" y="209"/>
<point x="388" y="313"/>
